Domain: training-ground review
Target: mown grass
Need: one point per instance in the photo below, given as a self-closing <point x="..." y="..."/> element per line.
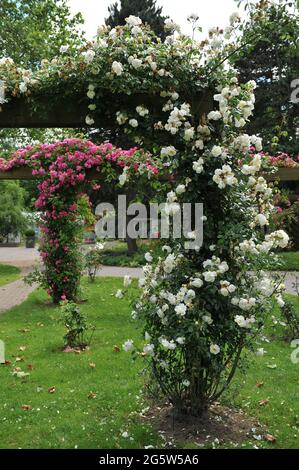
<point x="273" y="377"/>
<point x="8" y="274"/>
<point x="289" y="261"/>
<point x="70" y="418"/>
<point x="123" y="259"/>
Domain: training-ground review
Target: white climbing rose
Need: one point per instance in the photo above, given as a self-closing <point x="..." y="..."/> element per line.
<point x="214" y="349"/>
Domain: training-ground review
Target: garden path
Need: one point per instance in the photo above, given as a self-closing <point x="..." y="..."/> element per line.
<point x="14" y="294"/>
<point x="25" y="258"/>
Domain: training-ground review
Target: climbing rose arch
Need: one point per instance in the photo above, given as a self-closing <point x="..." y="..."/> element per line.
<point x="64" y="169"/>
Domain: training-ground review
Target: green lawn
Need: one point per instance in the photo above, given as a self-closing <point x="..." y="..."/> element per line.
<point x="280" y="387"/>
<point x="70" y="418"/>
<point x="289" y="260"/>
<point x="8" y="274"/>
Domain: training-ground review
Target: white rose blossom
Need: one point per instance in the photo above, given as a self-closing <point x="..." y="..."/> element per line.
<point x="88" y="56"/>
<point x="117" y="68"/>
<point x="214" y="349"/>
<point x="133" y="21"/>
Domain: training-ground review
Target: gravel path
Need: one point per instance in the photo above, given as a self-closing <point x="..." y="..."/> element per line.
<point x="23" y="258"/>
<point x="14" y="294"/>
<point x="116" y="271"/>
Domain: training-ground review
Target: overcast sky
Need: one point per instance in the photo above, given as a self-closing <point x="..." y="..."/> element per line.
<point x="211" y="12"/>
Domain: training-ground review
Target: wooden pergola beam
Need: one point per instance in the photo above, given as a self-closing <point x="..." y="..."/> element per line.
<point x="61" y="110"/>
<point x="25" y="173"/>
<point x="45" y="112"/>
<point x="284" y="174"/>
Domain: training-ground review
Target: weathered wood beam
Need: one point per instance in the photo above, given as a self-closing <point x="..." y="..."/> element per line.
<point x="45" y="112"/>
<point x="24" y="173"/>
<point x="16" y="174"/>
<point x="61" y="110"/>
<point x="284" y="174"/>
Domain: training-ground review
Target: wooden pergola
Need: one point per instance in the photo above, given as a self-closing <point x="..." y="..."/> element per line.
<point x="24" y="173"/>
<point x="58" y="111"/>
<point x="62" y="111"/>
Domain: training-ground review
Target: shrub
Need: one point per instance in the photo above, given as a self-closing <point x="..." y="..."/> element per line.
<point x="93" y="261"/>
<point x="288" y="220"/>
<point x="30" y="233"/>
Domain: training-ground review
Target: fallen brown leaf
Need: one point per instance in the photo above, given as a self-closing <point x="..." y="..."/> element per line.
<point x="116" y="349"/>
<point x="19" y="359"/>
<point x="259" y="384"/>
<point x="52" y="390"/>
<point x="92" y="365"/>
<point x="92" y="395"/>
<point x="30" y="366"/>
<point x="270" y="438"/>
<point x="26" y="407"/>
<point x="68" y="349"/>
<point x="263" y="402"/>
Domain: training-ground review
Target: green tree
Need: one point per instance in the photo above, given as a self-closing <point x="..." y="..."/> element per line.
<point x="146" y="10"/>
<point x="32" y="30"/>
<point x="12" y="220"/>
<point x="270" y="57"/>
